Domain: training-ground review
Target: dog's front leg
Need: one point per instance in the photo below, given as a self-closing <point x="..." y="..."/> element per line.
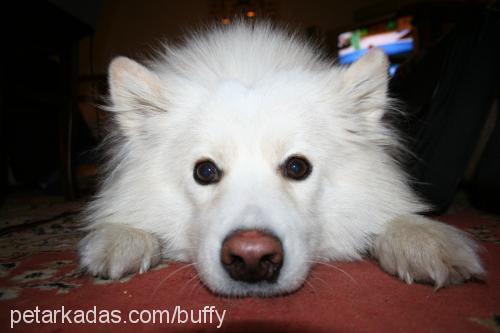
<point x="113" y="250"/>
<point x="416" y="248"/>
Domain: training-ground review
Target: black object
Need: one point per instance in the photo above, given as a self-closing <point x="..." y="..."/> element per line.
<point x="484" y="190"/>
<point x="448" y="91"/>
<point x="38" y="86"/>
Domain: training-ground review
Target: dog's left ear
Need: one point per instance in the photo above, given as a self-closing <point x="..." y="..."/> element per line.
<point x="365" y="83"/>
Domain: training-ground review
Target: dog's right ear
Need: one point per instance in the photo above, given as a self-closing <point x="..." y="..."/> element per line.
<point x="134" y="91"/>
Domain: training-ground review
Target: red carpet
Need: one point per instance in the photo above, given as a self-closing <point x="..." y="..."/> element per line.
<point x="352" y="297"/>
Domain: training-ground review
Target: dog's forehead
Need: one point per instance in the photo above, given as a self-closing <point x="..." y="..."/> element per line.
<point x="275" y="118"/>
<point x="264" y="103"/>
<point x="251" y="115"/>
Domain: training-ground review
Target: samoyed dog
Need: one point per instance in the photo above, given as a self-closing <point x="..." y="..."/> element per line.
<point x="249" y="154"/>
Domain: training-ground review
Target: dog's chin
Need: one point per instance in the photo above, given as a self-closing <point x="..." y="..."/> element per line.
<point x="221" y="284"/>
<point x="232" y="288"/>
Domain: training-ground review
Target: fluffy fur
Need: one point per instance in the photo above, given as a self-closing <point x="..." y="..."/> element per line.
<point x="248" y="97"/>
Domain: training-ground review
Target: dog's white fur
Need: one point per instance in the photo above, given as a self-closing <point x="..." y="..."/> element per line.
<point x="248" y="97"/>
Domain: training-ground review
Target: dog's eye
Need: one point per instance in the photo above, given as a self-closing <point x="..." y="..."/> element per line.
<point x="206" y="172"/>
<point x="297" y="168"/>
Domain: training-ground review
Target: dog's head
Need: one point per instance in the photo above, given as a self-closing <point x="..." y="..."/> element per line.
<point x="253" y="168"/>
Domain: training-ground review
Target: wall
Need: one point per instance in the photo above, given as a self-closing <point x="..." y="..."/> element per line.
<point x="132" y="28"/>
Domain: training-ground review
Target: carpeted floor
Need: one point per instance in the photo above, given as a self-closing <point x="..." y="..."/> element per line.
<point x="39" y="270"/>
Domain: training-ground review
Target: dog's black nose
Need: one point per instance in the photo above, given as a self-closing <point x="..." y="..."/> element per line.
<point x="252" y="256"/>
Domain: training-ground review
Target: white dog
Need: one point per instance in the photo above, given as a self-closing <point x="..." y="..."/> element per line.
<point x="247" y="153"/>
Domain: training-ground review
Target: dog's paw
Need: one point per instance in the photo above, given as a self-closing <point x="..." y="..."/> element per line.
<point x="113" y="251"/>
<point x="418" y="249"/>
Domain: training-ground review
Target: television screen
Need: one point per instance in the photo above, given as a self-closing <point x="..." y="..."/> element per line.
<point x="395" y="37"/>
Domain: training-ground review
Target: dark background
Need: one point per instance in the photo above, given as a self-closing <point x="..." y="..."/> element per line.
<point x="55" y="54"/>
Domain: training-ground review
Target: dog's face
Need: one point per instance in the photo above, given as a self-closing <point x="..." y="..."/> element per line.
<point x="264" y="160"/>
<point x="246" y="175"/>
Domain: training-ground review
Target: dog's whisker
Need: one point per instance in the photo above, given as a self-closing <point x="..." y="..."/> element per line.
<point x="315" y="277"/>
<point x="197" y="284"/>
<point x="170" y="275"/>
<point x="307" y="283"/>
<point x="336" y="268"/>
<point x="186" y="284"/>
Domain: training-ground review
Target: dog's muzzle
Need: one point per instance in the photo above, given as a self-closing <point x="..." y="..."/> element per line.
<point x="252" y="256"/>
